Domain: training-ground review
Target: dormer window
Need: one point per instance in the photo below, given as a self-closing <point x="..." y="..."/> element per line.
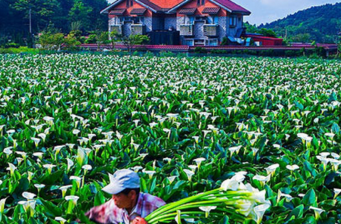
<point x="129" y="3"/>
<point x="233" y="21"/>
<point x="200" y="2"/>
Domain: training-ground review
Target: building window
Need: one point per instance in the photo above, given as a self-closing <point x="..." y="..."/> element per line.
<point x="138" y="20"/>
<point x="189" y="20"/>
<point x="212" y="20"/>
<point x="129" y="3"/>
<point x="212" y="42"/>
<point x="233" y="21"/>
<point x="189" y="42"/>
<point x="200" y="2"/>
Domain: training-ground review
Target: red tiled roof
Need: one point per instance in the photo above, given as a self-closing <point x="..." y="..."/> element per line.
<point x="139" y="11"/>
<point x="166" y="4"/>
<point x="150" y="4"/>
<point x="117" y="12"/>
<point x="232" y="6"/>
<point x="190" y="11"/>
<point x="211" y="11"/>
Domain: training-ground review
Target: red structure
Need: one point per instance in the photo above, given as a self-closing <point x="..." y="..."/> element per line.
<point x="265" y="41"/>
<point x="190" y="22"/>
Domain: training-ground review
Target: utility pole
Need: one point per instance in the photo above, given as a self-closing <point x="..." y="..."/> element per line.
<point x="338" y="44"/>
<point x="30" y="18"/>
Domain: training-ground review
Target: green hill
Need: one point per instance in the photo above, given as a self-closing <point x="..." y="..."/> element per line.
<point x="319" y="23"/>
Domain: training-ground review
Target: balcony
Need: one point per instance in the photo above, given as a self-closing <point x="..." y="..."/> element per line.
<point x="138" y="29"/>
<point x="116" y="28"/>
<point x="211" y="30"/>
<point x="186" y="30"/>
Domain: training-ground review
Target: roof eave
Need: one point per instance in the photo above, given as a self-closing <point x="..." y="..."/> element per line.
<point x="147" y="6"/>
<point x="245" y="13"/>
<point x="106" y="10"/>
<point x="222" y="6"/>
<point x="173" y="10"/>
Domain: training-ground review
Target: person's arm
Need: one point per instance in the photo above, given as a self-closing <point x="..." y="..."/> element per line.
<point x="97" y="214"/>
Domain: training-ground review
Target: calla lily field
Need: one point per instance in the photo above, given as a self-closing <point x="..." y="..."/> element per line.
<point x="221" y="140"/>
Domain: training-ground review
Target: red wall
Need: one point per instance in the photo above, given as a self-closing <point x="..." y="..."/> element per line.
<point x="267" y="41"/>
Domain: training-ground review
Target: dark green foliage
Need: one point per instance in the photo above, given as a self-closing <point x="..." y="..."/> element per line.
<point x="62" y="15"/>
<point x="214" y="51"/>
<point x="224" y="41"/>
<point x="200" y="50"/>
<point x="91" y="39"/>
<point x="133" y="40"/>
<point x="320" y="24"/>
<point x="253" y="29"/>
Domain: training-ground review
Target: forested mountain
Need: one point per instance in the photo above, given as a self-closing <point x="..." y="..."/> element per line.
<point x="59" y="14"/>
<point x="319" y="23"/>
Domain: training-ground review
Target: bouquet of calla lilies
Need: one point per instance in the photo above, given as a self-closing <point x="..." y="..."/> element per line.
<point x="233" y="198"/>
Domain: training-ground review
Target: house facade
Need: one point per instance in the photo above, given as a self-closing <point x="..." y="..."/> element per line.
<point x="197" y="22"/>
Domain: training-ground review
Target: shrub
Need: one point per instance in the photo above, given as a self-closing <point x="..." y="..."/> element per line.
<point x="18" y="50"/>
<point x="50" y="41"/>
<point x="291" y="53"/>
<point x="224" y="41"/>
<point x="133" y="40"/>
<point x="181" y="55"/>
<point x="320" y="51"/>
<point x="5" y="51"/>
<point x="71" y="42"/>
<point x="200" y="50"/>
<point x="167" y="54"/>
<point x="149" y="54"/>
<point x="91" y="39"/>
<point x="12" y="45"/>
<point x="218" y="51"/>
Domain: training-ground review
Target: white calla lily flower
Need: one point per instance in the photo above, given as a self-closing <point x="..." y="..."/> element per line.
<point x="2" y="205"/>
<point x="28" y="195"/>
<point x="72" y="198"/>
<point x="207" y="209"/>
<point x="317" y="211"/>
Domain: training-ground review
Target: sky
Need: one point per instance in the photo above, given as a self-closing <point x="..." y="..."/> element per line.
<point x="266" y="11"/>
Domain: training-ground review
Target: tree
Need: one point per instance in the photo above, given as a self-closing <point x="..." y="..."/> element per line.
<point x="80" y="12"/>
<point x="302" y="37"/>
<point x="267" y="32"/>
<point x="133" y="40"/>
<point x="71" y="42"/>
<point x="254" y="29"/>
<point x="102" y="38"/>
<point x="51" y="41"/>
<point x="320" y="22"/>
<point x="98" y="21"/>
<point x="42" y="11"/>
<point x="114" y="37"/>
<point x="77" y="25"/>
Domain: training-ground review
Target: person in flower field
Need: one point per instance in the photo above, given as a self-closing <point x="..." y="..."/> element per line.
<point x="127" y="205"/>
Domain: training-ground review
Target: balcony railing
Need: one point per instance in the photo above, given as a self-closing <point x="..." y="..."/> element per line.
<point x="211" y="30"/>
<point x="186" y="30"/>
<point x="116" y="28"/>
<point x="138" y="29"/>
